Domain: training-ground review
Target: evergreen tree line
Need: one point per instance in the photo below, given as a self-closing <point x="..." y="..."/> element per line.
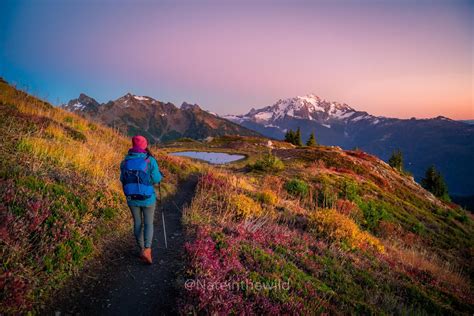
<point x="433" y="180"/>
<point x="294" y="137"/>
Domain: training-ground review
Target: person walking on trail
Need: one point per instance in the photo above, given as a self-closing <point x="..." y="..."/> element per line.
<point x="139" y="171"/>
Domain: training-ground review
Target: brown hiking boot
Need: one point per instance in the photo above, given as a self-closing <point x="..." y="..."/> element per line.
<point x="142" y="254"/>
<point x="146" y="256"/>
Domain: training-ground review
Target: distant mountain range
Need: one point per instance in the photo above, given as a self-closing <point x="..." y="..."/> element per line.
<point x="158" y="121"/>
<point x="446" y="143"/>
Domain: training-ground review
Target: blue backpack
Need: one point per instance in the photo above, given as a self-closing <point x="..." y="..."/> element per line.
<point x="136" y="182"/>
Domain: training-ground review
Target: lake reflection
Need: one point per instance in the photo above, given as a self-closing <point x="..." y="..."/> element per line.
<point x="210" y="157"/>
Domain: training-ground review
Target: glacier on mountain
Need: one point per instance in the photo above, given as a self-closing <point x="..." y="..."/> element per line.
<point x="140" y="98"/>
<point x="308" y="107"/>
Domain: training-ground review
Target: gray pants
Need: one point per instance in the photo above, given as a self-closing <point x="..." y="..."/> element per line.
<point x="143" y="233"/>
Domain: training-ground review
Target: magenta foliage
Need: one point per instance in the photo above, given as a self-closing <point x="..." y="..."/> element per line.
<point x="24" y="230"/>
<point x="210" y="180"/>
<point x="37" y="213"/>
<point x="213" y="273"/>
<point x="215" y="263"/>
<point x="13" y="289"/>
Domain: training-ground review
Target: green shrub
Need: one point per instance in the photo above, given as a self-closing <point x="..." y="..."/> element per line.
<point x="296" y="187"/>
<point x="373" y="214"/>
<point x="268" y="163"/>
<point x="462" y="216"/>
<point x="68" y="119"/>
<point x="349" y="190"/>
<point x="267" y="197"/>
<point x="77" y="135"/>
<point x="24" y="146"/>
<point x="419" y="228"/>
<point x="108" y="213"/>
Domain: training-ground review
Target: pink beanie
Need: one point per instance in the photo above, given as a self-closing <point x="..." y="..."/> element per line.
<point x="139" y="142"/>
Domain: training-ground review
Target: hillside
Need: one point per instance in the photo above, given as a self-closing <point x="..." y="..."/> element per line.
<point x="342" y="230"/>
<point x="446" y="143"/>
<point x="61" y="202"/>
<point x="288" y="230"/>
<point x="156" y="120"/>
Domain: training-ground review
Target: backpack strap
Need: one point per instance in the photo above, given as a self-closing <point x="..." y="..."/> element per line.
<point x="147" y="159"/>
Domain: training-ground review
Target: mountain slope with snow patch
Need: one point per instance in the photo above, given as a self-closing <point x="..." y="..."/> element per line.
<point x="446" y="143"/>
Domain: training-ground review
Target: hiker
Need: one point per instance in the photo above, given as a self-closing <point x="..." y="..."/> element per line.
<point x="138" y="173"/>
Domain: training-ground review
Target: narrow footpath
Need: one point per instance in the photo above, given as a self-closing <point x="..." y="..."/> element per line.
<point x="119" y="284"/>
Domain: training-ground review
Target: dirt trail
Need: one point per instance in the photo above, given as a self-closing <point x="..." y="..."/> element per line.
<point x="121" y="285"/>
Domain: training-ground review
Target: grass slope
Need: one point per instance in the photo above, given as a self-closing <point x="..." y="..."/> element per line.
<point x="60" y="197"/>
<point x="342" y="230"/>
<point x="287" y="230"/>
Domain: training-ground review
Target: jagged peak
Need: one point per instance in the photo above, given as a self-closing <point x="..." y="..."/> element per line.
<point x="311" y="98"/>
<point x="441" y="117"/>
<point x="189" y="106"/>
<point x="85" y="98"/>
<point x="310" y="106"/>
<point x="82" y="103"/>
<point x="83" y="95"/>
<point x="130" y="96"/>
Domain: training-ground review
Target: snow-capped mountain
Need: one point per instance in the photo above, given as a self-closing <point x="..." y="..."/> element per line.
<point x="309" y="107"/>
<point x="83" y="103"/>
<point x="159" y="121"/>
<point x="446" y="143"/>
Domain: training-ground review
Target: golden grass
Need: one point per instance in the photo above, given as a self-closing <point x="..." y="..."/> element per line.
<point x="338" y="227"/>
<point x="33" y="106"/>
<point x="415" y="258"/>
<point x="241" y="183"/>
<point x="96" y="155"/>
<point x="243" y="206"/>
<point x="267" y="197"/>
<point x="94" y="158"/>
<point x="56" y="132"/>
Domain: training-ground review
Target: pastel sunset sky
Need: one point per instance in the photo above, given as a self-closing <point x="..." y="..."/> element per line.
<point x="391" y="58"/>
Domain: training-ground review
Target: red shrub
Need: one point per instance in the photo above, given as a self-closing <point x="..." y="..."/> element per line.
<point x="389" y="230"/>
<point x="343" y="170"/>
<point x="345" y="207"/>
<point x="37" y="213"/>
<point x="13" y="289"/>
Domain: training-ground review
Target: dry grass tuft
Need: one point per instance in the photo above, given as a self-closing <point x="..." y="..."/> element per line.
<point x="338" y="227"/>
<point x="414" y="258"/>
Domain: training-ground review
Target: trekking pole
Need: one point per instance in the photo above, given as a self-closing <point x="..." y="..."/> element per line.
<point x="163" y="215"/>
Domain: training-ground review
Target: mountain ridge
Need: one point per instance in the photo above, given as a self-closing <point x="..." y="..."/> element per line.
<point x="157" y="120"/>
<point x="312" y="107"/>
<point x="441" y="141"/>
<point x="336" y="224"/>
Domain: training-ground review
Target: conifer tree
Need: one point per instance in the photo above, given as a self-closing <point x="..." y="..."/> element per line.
<point x="396" y="160"/>
<point x="434" y="182"/>
<point x="311" y="140"/>
<point x="290" y="136"/>
<point x="297" y="140"/>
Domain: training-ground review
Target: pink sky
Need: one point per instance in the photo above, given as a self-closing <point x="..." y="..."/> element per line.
<point x="388" y="58"/>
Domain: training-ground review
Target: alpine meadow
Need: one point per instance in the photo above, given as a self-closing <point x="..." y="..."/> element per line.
<point x="186" y="157"/>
